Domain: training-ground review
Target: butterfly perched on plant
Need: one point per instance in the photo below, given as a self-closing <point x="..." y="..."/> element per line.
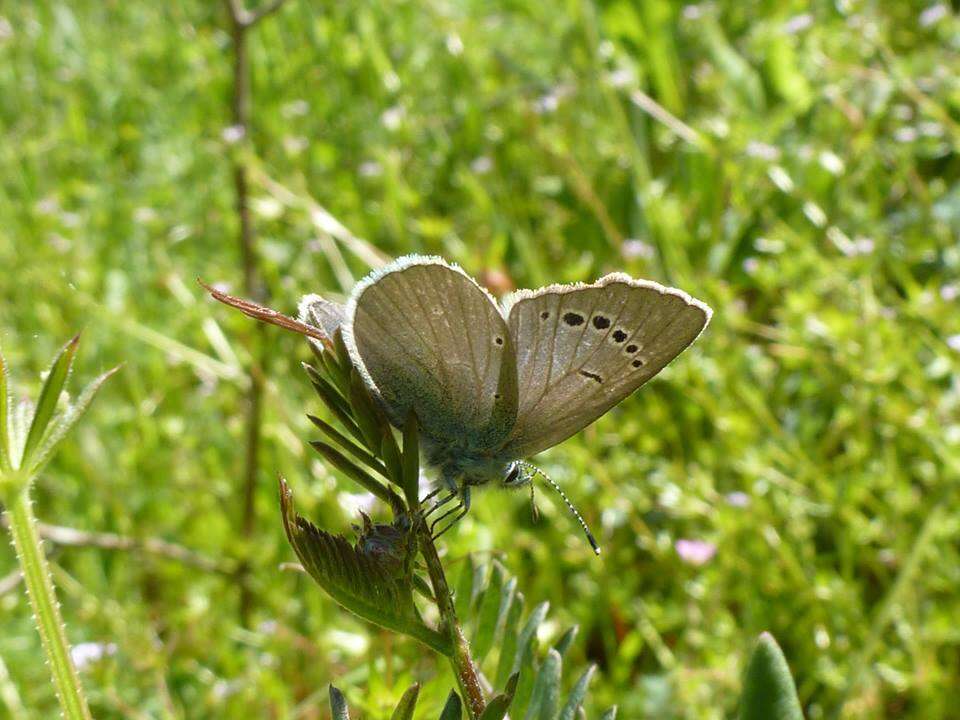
<point x="490" y="383"/>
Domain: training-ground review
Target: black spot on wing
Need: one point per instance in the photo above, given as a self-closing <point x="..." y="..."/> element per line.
<point x="545" y="314"/>
<point x="632" y="349"/>
<point x="638" y="363"/>
<point x="600" y="322"/>
<point x="572" y="319"/>
<point x="592" y="376"/>
<point x="619" y="336"/>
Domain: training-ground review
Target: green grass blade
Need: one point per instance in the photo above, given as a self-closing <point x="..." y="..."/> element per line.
<point x="566" y="640"/>
<point x="49" y="395"/>
<point x="5" y="458"/>
<point x="351" y="447"/>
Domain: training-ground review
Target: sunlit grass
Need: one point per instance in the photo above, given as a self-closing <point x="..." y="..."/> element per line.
<point x="796" y="171"/>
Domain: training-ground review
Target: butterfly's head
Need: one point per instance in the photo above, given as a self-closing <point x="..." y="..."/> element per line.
<point x="515" y="476"/>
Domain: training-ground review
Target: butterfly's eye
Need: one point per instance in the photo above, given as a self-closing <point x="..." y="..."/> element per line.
<point x="619" y="336"/>
<point x="512" y="475"/>
<point x="600" y="322"/>
<point x="572" y="319"/>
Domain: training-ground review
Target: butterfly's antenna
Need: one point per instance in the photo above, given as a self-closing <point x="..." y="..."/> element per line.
<point x="583" y="523"/>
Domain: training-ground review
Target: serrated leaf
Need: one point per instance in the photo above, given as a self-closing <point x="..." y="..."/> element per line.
<point x="339" y="377"/>
<point x="768" y="689"/>
<point x="566" y="640"/>
<point x="524" y="662"/>
<point x="358" y="475"/>
<point x="6" y="460"/>
<point x="546" y="689"/>
<point x="508" y="645"/>
<point x="407" y="704"/>
<point x="338" y="705"/>
<point x="365" y="413"/>
<point x="610" y="714"/>
<point x="358" y="581"/>
<point x="49" y="395"/>
<point x="348" y="445"/>
<point x="390" y="452"/>
<point x="63" y="424"/>
<point x="464" y="589"/>
<point x="411" y="460"/>
<point x="575" y="701"/>
<point x="488" y="613"/>
<point x="498" y="706"/>
<point x="452" y="709"/>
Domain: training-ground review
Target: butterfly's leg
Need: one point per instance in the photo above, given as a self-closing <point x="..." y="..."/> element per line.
<point x="463" y="507"/>
<point x="440" y="503"/>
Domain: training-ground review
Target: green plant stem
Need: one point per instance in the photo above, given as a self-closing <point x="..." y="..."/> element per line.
<point x="463" y="667"/>
<point x="36" y="575"/>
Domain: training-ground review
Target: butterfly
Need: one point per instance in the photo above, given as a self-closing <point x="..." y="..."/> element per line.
<point x="490" y="383"/>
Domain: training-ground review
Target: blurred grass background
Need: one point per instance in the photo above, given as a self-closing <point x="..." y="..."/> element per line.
<point x="794" y="164"/>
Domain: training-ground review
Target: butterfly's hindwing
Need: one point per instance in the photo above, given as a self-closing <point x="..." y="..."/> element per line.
<point x="431" y="341"/>
<point x="583" y="349"/>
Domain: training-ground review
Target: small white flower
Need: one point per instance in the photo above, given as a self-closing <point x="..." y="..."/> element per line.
<point x="87" y="653"/>
<point x="232" y="134"/>
<point x="933" y="14"/>
<point x="695" y="552"/>
<point x="633" y="248"/>
<point x="454" y="44"/>
<point x="482" y="165"/>
<point x="392" y="117"/>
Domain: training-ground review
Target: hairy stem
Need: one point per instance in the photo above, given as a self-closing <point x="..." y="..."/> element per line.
<point x="46" y="611"/>
<point x="463" y="666"/>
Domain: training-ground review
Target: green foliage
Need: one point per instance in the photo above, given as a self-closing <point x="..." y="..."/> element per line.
<point x="810" y="435"/>
<point x="768" y="689"/>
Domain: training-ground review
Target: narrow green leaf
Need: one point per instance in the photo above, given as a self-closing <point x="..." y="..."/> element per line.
<point x="365" y="412"/>
<point x="508" y="646"/>
<point x="63" y="424"/>
<point x="49" y="395"/>
<point x="347" y="444"/>
<point x="338" y="705"/>
<point x="768" y="689"/>
<point x="488" y="613"/>
<point x="524" y="662"/>
<point x="575" y="701"/>
<point x="317" y="378"/>
<point x="546" y="689"/>
<point x="452" y="709"/>
<point x="390" y="453"/>
<point x="407" y="704"/>
<point x="343" y="355"/>
<point x="411" y="461"/>
<point x="499" y="705"/>
<point x="6" y="461"/>
<point x="358" y="475"/>
<point x="339" y="376"/>
<point x="337" y="405"/>
<point x="357" y="580"/>
<point x="610" y="714"/>
<point x="464" y="589"/>
<point x="566" y="640"/>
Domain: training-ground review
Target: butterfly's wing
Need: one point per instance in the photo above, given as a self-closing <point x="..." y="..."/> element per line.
<point x="430" y="340"/>
<point x="581" y="349"/>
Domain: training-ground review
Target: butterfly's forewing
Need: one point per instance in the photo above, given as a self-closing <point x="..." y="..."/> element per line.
<point x="431" y="341"/>
<point x="582" y="349"/>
